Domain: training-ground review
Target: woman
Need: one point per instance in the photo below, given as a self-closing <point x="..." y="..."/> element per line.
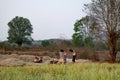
<point x="73" y="55"/>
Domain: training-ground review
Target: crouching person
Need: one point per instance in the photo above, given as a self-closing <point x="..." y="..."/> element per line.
<point x="54" y="60"/>
<point x="38" y="59"/>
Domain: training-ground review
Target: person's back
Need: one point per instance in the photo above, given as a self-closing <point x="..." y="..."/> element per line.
<point x="36" y="59"/>
<point x="55" y="60"/>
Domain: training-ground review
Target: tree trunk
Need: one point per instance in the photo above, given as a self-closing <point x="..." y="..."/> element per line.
<point x="112" y="41"/>
<point x="112" y="54"/>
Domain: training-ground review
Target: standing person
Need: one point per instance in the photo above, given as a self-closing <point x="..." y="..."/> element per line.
<point x="61" y="53"/>
<point x="65" y="56"/>
<point x="73" y="55"/>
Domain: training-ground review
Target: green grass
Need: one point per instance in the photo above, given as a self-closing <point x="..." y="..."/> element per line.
<point x="78" y="71"/>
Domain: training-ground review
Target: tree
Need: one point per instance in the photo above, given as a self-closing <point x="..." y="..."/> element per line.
<point x="89" y="42"/>
<point x="83" y="35"/>
<point x="107" y="13"/>
<point x="20" y="30"/>
<point x="79" y="32"/>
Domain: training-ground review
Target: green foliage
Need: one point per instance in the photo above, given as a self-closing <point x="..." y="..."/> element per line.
<point x="5" y="44"/>
<point x="99" y="46"/>
<point x="81" y="36"/>
<point x="104" y="46"/>
<point x="2" y="44"/>
<point x="77" y="25"/>
<point x="89" y="42"/>
<point x="45" y="43"/>
<point x="20" y="30"/>
<point x="77" y="39"/>
<point x="79" y="33"/>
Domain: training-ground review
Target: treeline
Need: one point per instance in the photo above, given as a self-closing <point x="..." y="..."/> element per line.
<point x="54" y="45"/>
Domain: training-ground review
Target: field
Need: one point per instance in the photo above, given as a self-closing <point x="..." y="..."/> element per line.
<point x="77" y="71"/>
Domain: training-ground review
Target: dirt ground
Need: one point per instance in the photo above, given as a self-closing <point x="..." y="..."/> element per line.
<point x="21" y="60"/>
<point x="16" y="58"/>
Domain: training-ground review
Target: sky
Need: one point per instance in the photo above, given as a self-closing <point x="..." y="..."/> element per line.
<point x="49" y="18"/>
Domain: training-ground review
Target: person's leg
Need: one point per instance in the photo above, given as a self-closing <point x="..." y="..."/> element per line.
<point x="74" y="58"/>
<point x="64" y="58"/>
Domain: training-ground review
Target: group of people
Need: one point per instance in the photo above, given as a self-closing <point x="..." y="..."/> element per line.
<point x="62" y="56"/>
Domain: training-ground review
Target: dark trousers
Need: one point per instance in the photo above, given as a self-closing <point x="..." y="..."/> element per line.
<point x="64" y="58"/>
<point x="73" y="59"/>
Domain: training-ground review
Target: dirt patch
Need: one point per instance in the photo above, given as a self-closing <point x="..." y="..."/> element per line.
<point x="27" y="58"/>
<point x="12" y="62"/>
<point x="21" y="60"/>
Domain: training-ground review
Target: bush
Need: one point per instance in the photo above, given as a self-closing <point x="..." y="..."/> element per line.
<point x="45" y="43"/>
<point x="87" y="53"/>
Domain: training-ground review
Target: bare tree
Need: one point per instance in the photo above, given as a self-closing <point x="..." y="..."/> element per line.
<point x="107" y="12"/>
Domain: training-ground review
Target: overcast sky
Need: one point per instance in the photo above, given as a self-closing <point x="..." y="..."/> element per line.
<point x="50" y="18"/>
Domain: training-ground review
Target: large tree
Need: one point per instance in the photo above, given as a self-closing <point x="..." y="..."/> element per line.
<point x="83" y="35"/>
<point x="107" y="13"/>
<point x="79" y="33"/>
<point x="20" y="30"/>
